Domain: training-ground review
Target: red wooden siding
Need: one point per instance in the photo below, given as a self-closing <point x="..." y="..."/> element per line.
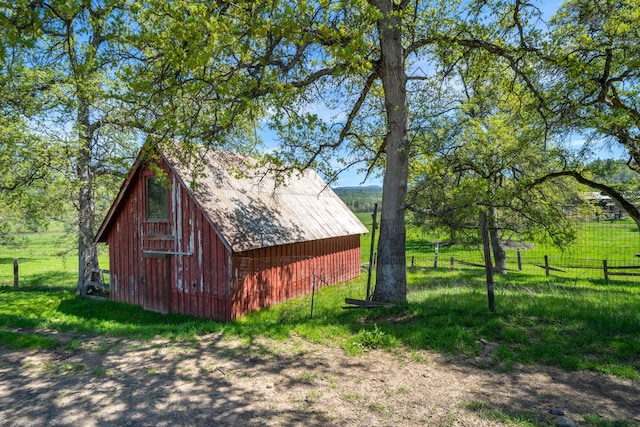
<point x="201" y="269"/>
<point x="266" y="276"/>
<point x="178" y="266"/>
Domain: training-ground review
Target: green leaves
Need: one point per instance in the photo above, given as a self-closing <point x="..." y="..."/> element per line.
<point x="596" y="51"/>
<point x="482" y="154"/>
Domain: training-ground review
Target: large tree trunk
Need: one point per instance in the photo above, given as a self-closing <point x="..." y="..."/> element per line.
<point x="391" y="275"/>
<point x="495" y="236"/>
<point x="87" y="250"/>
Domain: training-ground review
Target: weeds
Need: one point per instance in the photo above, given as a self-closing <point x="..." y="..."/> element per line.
<point x="307" y="377"/>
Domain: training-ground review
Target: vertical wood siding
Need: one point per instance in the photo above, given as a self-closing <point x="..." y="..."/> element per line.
<point x="267" y="276"/>
<point x="195" y="282"/>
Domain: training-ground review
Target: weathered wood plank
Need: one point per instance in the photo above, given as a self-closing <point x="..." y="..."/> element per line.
<point x="367" y="304"/>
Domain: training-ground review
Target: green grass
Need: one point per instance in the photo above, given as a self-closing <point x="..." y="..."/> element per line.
<point x="574" y="324"/>
<point x="614" y="241"/>
<point x="486" y="411"/>
<point x="48" y="260"/>
<point x="20" y="340"/>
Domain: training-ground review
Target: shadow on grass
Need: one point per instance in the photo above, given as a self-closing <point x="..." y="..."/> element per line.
<point x="9" y="261"/>
<point x="19" y="340"/>
<point x="117" y="318"/>
<point x="48" y="281"/>
<point x="590" y="327"/>
<point x="561" y="325"/>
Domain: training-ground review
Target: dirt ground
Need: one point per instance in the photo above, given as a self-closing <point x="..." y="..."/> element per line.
<point x="220" y="381"/>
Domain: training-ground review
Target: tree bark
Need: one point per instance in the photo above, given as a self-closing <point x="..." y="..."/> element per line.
<point x="391" y="275"/>
<point x="495" y="236"/>
<point x="87" y="250"/>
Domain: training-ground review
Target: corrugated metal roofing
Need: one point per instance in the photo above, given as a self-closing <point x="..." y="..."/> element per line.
<point x="250" y="211"/>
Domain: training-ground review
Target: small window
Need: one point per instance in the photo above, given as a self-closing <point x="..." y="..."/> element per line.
<point x="157" y="206"/>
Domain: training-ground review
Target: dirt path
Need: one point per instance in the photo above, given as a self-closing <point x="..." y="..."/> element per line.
<point x="226" y="382"/>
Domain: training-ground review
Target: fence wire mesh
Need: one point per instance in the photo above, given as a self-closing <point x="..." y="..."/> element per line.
<point x="602" y="250"/>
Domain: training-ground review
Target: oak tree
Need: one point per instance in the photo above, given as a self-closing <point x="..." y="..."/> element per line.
<point x="70" y="53"/>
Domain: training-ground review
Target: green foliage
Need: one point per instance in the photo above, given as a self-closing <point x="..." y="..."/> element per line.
<point x="613" y="172"/>
<point x="483" y="155"/>
<point x="594" y="51"/>
<point x="370" y="339"/>
<point x="32" y="189"/>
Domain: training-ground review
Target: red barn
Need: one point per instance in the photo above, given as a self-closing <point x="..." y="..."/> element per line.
<point x="207" y="241"/>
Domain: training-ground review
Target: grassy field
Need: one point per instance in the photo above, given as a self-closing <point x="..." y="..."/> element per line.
<point x="574" y="324"/>
<point x="618" y="242"/>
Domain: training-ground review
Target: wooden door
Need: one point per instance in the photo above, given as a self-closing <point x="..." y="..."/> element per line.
<point x="157" y="284"/>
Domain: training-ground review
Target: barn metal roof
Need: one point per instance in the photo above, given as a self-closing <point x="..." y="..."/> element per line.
<point x="252" y="210"/>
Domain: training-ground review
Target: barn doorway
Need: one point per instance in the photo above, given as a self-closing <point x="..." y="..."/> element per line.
<point x="157" y="283"/>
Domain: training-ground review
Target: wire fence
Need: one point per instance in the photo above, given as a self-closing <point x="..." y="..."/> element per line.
<point x="604" y="250"/>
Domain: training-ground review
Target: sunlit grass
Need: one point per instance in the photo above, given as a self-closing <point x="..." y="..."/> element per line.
<point x="574" y="324"/>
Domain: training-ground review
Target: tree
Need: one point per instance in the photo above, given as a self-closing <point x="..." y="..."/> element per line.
<point x="595" y="52"/>
<point x="69" y="61"/>
<point x="479" y="151"/>
<point x="592" y="61"/>
<point x="26" y="159"/>
<point x="613" y="171"/>
<point x="212" y="69"/>
<point x="28" y="165"/>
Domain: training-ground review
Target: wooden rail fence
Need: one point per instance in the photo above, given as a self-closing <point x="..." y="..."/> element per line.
<point x="614" y="271"/>
<point x="618" y="270"/>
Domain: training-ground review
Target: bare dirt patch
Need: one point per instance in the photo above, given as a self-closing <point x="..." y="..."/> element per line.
<point x="214" y="380"/>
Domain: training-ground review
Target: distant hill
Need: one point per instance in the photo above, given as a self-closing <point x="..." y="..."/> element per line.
<point x="360" y="199"/>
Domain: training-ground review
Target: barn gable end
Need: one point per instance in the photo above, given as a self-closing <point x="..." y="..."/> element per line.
<point x="227" y="245"/>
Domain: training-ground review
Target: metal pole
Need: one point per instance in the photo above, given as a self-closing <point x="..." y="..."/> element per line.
<point x="371" y="256"/>
<point x="313" y="293"/>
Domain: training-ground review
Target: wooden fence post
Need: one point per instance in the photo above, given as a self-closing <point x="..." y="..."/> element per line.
<point x="487" y="260"/>
<point x="435" y="258"/>
<point x="606" y="272"/>
<point x="16" y="279"/>
<point x="546" y="265"/>
<point x="519" y="260"/>
<point x="413" y="261"/>
<point x="453" y="262"/>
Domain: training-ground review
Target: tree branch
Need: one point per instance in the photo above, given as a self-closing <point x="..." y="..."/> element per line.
<point x="609" y="191"/>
